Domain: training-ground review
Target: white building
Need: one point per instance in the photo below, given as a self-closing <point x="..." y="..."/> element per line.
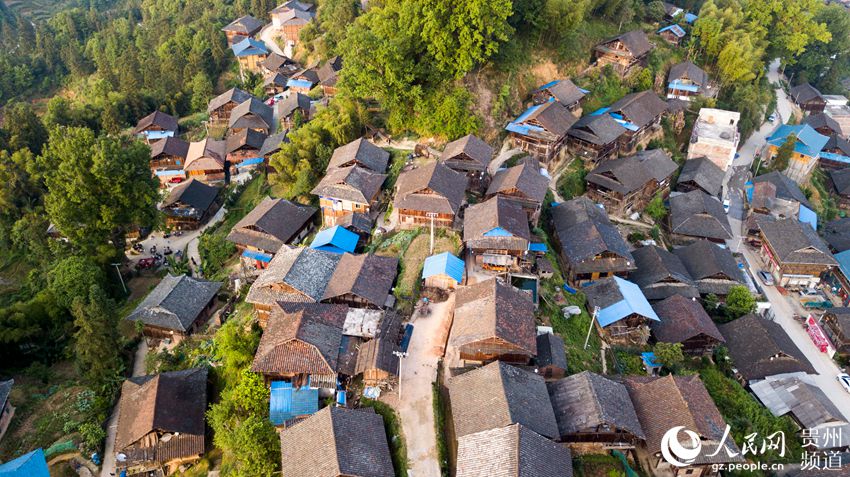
<point x="715" y="136"/>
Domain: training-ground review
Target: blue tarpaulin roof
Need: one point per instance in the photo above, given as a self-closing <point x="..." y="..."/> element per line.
<point x="844" y="262"/>
<point x="443" y="264"/>
<point x="547" y="85"/>
<point x="31" y="464"/>
<point x="497" y="232"/>
<point x="831" y="156"/>
<point x="249" y="47"/>
<point x="336" y="239"/>
<point x="648" y="359"/>
<point x="537" y="247"/>
<point x="633" y="302"/>
<point x="690" y="17"/>
<point x="683" y="86"/>
<point x="296" y="83"/>
<point x="809" y="142"/>
<point x="287" y="403"/>
<point x="250" y="162"/>
<point x="808" y="216"/>
<point x="405" y="340"/>
<point x="263" y="257"/>
<point x="676" y="29"/>
<point x="517" y="126"/>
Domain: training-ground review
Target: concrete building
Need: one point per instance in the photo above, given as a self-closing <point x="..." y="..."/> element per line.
<point x="715" y="136"/>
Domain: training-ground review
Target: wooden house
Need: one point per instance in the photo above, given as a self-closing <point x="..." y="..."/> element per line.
<point x="328" y="75"/>
<point x="523" y="184"/>
<point x="687" y="80"/>
<point x="275" y="64"/>
<point x="272" y="145"/>
<point x="623" y="312"/>
<point x="808" y="98"/>
<point x="272" y="224"/>
<point x="623" y="52"/>
<point x="362" y="153"/>
<point x="839" y="180"/>
<point x="430" y="194"/>
<point x="205" y="160"/>
<point x="795" y="254"/>
<point x="190" y="205"/>
<point x="640" y="113"/>
<point x="630" y="183"/>
<point x="563" y="91"/>
<point x="378" y="357"/>
<point x="250" y="54"/>
<point x="775" y="354"/>
<point x="295" y="103"/>
<point x="274" y="84"/>
<point x="594" y="414"/>
<point x="661" y="274"/>
<point x="551" y="359"/>
<point x="672" y="34"/>
<point x="701" y="174"/>
<point x="712" y="268"/>
<point x="542" y="131"/>
<point x="444" y="271"/>
<point x="177" y="307"/>
<point x="7" y="410"/>
<point x="241" y="28"/>
<point x="509" y="451"/>
<point x="150" y="435"/>
<point x="588" y="245"/>
<point x="220" y="107"/>
<point x="348" y="190"/>
<point x="695" y="215"/>
<point x="167" y="159"/>
<point x="836" y="325"/>
<point x="304" y="80"/>
<point x="469" y="155"/>
<point x="496" y="235"/>
<point x="595" y="138"/>
<point x="252" y="114"/>
<point x="291" y="17"/>
<point x="493" y="322"/>
<point x="155" y="126"/>
<point x="684" y="321"/>
<point x="243" y="150"/>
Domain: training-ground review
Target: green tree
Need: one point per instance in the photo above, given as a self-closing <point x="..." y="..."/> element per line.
<point x="656" y="209"/>
<point x="202" y="91"/>
<point x="739" y="301"/>
<point x="655" y="11"/>
<point x="25" y="128"/>
<point x="72" y="278"/>
<point x="214" y="250"/>
<point x="234" y="348"/>
<point x="96" y="349"/>
<point x="782" y="159"/>
<point x="669" y="354"/>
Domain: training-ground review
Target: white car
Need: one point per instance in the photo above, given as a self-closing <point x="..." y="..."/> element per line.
<point x="844" y="379"/>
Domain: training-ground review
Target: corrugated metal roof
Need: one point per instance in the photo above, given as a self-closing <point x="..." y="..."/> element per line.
<point x="249" y="47"/>
<point x="295" y="83"/>
<point x="537" y="247"/>
<point x="263" y="257"/>
<point x="808" y="216"/>
<point x="809" y="141"/>
<point x="287" y="403"/>
<point x="676" y="29"/>
<point x="336" y="239"/>
<point x="844" y="262"/>
<point x="443" y="264"/>
<point x="633" y="301"/>
<point x="27" y="465"/>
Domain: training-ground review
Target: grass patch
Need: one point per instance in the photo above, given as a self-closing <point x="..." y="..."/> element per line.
<point x="398" y="158"/>
<point x="598" y="465"/>
<point x="440" y="429"/>
<point x="825" y="204"/>
<point x="392" y="425"/>
<point x="571" y="183"/>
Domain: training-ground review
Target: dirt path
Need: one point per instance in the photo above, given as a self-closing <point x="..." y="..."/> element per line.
<point x="418" y="372"/>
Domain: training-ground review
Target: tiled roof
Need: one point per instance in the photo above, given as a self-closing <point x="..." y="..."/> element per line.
<point x="566" y="92"/>
<point x="841" y="181"/>
<point x="822" y="120"/>
<point x="631" y="173"/>
<point x="704" y="173"/>
<point x="587" y="401"/>
<point x="688" y="70"/>
<point x="360" y="152"/>
<point x="157" y="118"/>
<point x="584" y="231"/>
<point x="250" y="138"/>
<point x="170" y="146"/>
<point x="503" y="216"/>
<point x="246" y="25"/>
<point x="785" y="187"/>
<point x="512" y="451"/>
<point x="175" y="303"/>
<point x="5" y="389"/>
<point x="837" y="234"/>
<point x="292" y="102"/>
<point x="805" y="92"/>
<point x="599" y="129"/>
<point x="369" y="277"/>
<point x="498" y="395"/>
<point x="207" y="154"/>
<point x="681" y="319"/>
<point x="698" y="214"/>
<point x="192" y="193"/>
<point x="234" y="95"/>
<point x="550" y="351"/>
<point x="271" y="224"/>
<point x="472" y="147"/>
<point x="636" y="41"/>
<point x="796" y="242"/>
<point x="434" y="187"/>
<point x="547" y="121"/>
<point x="775" y="353"/>
<point x="252" y="113"/>
<point x="640" y="108"/>
<point x="661" y="274"/>
<point x="704" y="259"/>
<point x="273" y="143"/>
<point x="353" y="183"/>
<point x="525" y="178"/>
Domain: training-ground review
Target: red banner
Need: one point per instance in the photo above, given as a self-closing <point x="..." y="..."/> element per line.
<point x="817" y="334"/>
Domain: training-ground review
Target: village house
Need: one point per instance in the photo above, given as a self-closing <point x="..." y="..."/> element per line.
<point x="220" y="107"/>
<point x="663" y="402"/>
<point x="160" y="425"/>
<point x="701" y="174"/>
<point x="250" y="54"/>
<point x="429" y="195"/>
<point x="7" y="410"/>
<point x="378" y="357"/>
<point x="252" y="114"/>
<point x="272" y="145"/>
<point x="328" y="75"/>
<point x="823" y="123"/>
<point x="684" y="321"/>
<point x="715" y="136"/>
<point x="661" y="274"/>
<point x="205" y="160"/>
<point x="836" y="233"/>
<point x="775" y="195"/>
<point x="542" y="131"/>
<point x="523" y="184"/>
<point x="838" y="279"/>
<point x="511" y="451"/>
<point x="563" y="91"/>
<point x="362" y="153"/>
<point x="31" y="464"/>
<point x="841" y="114"/>
<point x="687" y="80"/>
<point x="337" y="442"/>
<point x="640" y="113"/>
<point x="444" y="271"/>
<point x="272" y="224"/>
<point x="594" y="414"/>
<point x="190" y="205"/>
<point x="336" y="239"/>
<point x="303" y="80"/>
<point x="551" y="359"/>
<point x="775" y="354"/>
<point x="496" y="235"/>
<point x="167" y="159"/>
<point x="836" y="325"/>
<point x="696" y="215"/>
<point x="623" y="52"/>
<point x="290" y="18"/>
<point x="294" y="103"/>
<point x="243" y="150"/>
<point x="306" y="275"/>
<point x="629" y="183"/>
<point x="795" y="255"/>
<point x="807" y="149"/>
<point x="623" y="314"/>
<point x="840" y="183"/>
<point x="177" y="307"/>
<point x="595" y="137"/>
<point x="808" y="98"/>
<point x="672" y="34"/>
<point x="493" y="321"/>
<point x="500" y="395"/>
<point x="348" y="190"/>
<point x="241" y="28"/>
<point x="274" y="84"/>
<point x="712" y="267"/>
<point x="588" y="245"/>
<point x="275" y="64"/>
<point x="835" y="154"/>
<point x="471" y="156"/>
<point x="155" y="126"/>
<point x="671" y="12"/>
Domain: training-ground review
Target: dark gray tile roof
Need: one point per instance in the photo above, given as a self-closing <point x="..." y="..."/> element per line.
<point x="272" y="223"/>
<point x="357" y="223"/>
<point x="837" y="143"/>
<point x="246" y="138"/>
<point x="369" y="277"/>
<point x="193" y="193"/>
<point x="170" y="146"/>
<point x="550" y="351"/>
<point x="292" y="102"/>
<point x="512" y="451"/>
<point x="681" y="319"/>
<point x="775" y="353"/>
<point x="785" y="187"/>
<point x="704" y="173"/>
<point x="600" y="129"/>
<point x="329" y="72"/>
<point x="554" y="117"/>
<point x="822" y="120"/>
<point x="274" y="62"/>
<point x="567" y="92"/>
<point x="636" y="41"/>
<point x="631" y="173"/>
<point x="698" y="214"/>
<point x="688" y="70"/>
<point x="272" y="143"/>
<point x="661" y="274"/>
<point x="246" y="25"/>
<point x="496" y="212"/>
<point x="175" y="302"/>
<point x="360" y="152"/>
<point x="525" y="178"/>
<point x="640" y="108"/>
<point x="587" y="400"/>
<point x="157" y="118"/>
<point x="841" y="181"/>
<point x="234" y="95"/>
<point x="498" y="395"/>
<point x="584" y="231"/>
<point x="796" y="242"/>
<point x="378" y="353"/>
<point x="805" y="92"/>
<point x="472" y="147"/>
<point x="434" y="187"/>
<point x="337" y="441"/>
<point x="252" y="113"/>
<point x="837" y="234"/>
<point x="704" y="259"/>
<point x="5" y="389"/>
<point x="353" y="183"/>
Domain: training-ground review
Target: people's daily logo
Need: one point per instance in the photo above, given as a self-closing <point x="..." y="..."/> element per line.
<point x="674" y="452"/>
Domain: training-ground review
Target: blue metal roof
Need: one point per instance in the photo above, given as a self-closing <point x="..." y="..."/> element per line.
<point x="683" y="86"/>
<point x="831" y="156"/>
<point x="336" y="239"/>
<point x="600" y="112"/>
<point x="287" y="403"/>
<point x="170" y="172"/>
<point x="158" y="134"/>
<point x="676" y="29"/>
<point x="296" y="83"/>
<point x="497" y="232"/>
<point x="690" y="17"/>
<point x="808" y="216"/>
<point x="633" y="302"/>
<point x="263" y="257"/>
<point x="809" y="142"/>
<point x="249" y="47"/>
<point x="537" y="247"/>
<point x="31" y="464"/>
<point x="443" y="264"/>
<point x="517" y="126"/>
<point x="844" y="262"/>
<point x="250" y="162"/>
<point x="547" y="85"/>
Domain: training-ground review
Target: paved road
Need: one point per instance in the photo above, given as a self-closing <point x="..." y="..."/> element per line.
<point x="418" y="372"/>
<point x="268" y="35"/>
<point x="108" y="468"/>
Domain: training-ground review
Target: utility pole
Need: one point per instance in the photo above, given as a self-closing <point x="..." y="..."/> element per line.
<point x="400" y="356"/>
<point x="117" y="269"/>
<point x="592" y="318"/>
<point x="432" y="215"/>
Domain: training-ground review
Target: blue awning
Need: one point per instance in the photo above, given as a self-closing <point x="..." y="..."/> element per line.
<point x="250" y="162"/>
<point x="537" y="247"/>
<point x="443" y="264"/>
<point x="336" y="239"/>
<point x="294" y="83"/>
<point x="263" y="257"/>
<point x="170" y="172"/>
<point x="158" y="134"/>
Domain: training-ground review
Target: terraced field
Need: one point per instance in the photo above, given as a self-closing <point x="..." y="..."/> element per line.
<point x="39" y="10"/>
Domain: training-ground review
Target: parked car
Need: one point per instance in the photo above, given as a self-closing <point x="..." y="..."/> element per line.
<point x="766" y="278"/>
<point x="809" y="292"/>
<point x="844" y="379"/>
<point x="772" y="118"/>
